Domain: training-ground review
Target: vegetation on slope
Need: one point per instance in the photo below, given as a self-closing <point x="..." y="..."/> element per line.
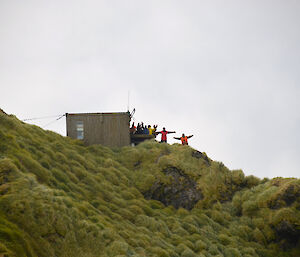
<point x="60" y="198"/>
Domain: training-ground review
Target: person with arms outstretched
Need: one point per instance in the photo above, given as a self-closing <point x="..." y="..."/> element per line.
<point x="164" y="134"/>
<point x="184" y="139"/>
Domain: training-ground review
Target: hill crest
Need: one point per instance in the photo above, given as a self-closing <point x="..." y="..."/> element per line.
<point x="60" y="198"/>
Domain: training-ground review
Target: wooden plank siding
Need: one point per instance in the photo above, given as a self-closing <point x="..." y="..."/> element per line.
<point x="109" y="129"/>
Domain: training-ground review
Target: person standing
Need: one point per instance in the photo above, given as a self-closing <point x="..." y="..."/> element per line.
<point x="154" y="130"/>
<point x="132" y="129"/>
<point x="184" y="139"/>
<point x="146" y="130"/>
<point x="150" y="130"/>
<point x="164" y="135"/>
<point x="139" y="129"/>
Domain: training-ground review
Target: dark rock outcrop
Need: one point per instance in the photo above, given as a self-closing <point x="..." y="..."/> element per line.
<point x="180" y="192"/>
<point x="287" y="234"/>
<point x="286" y="197"/>
<point x="199" y="155"/>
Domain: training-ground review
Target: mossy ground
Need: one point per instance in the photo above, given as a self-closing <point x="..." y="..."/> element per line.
<point x="60" y="198"/>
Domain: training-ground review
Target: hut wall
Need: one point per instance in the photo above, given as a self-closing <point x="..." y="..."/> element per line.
<point x="109" y="129"/>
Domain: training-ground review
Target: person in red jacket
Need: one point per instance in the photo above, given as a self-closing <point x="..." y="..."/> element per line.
<point x="164" y="135"/>
<point x="184" y="139"/>
<point x="132" y="129"/>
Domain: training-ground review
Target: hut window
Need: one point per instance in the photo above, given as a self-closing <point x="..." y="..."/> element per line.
<point x="79" y="129"/>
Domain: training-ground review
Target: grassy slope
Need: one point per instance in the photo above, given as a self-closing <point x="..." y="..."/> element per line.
<point x="59" y="198"/>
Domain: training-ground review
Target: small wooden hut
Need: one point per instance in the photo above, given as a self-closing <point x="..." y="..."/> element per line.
<point x="109" y="129"/>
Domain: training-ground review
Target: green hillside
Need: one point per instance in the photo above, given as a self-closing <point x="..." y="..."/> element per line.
<point x="60" y="198"/>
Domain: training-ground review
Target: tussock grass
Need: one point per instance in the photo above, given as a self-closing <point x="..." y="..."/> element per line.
<point x="60" y="198"/>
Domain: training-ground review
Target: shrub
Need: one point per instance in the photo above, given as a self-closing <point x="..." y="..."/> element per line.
<point x="182" y="212"/>
<point x="180" y="248"/>
<point x="258" y="222"/>
<point x="135" y="209"/>
<point x="252" y="181"/>
<point x="117" y="248"/>
<point x="218" y="217"/>
<point x="259" y="236"/>
<point x="224" y="239"/>
<point x="200" y="245"/>
<point x="32" y="166"/>
<point x="232" y="252"/>
<point x="188" y="253"/>
<point x="156" y="204"/>
<point x="159" y="252"/>
<point x="14" y="240"/>
<point x="249" y="250"/>
<point x="213" y="249"/>
<point x="60" y="157"/>
<point x="268" y="233"/>
<point x="79" y="172"/>
<point x="60" y="175"/>
<point x="126" y="214"/>
<point x="286" y="214"/>
<point x="7" y="167"/>
<point x="177" y="229"/>
<point x="250" y="208"/>
<point x="242" y="231"/>
<point x="238" y="177"/>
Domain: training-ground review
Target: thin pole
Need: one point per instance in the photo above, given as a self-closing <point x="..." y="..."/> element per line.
<point x="128" y="100"/>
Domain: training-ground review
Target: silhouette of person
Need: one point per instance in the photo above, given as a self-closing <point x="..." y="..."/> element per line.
<point x="184" y="139"/>
<point x="164" y="135"/>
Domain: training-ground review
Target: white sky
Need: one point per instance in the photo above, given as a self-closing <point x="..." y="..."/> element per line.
<point x="226" y="71"/>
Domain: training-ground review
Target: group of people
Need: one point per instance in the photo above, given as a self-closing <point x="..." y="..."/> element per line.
<point x="148" y="130"/>
<point x="164" y="133"/>
<point x="142" y="129"/>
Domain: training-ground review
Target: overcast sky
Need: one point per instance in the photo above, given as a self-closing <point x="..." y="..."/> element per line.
<point x="226" y="71"/>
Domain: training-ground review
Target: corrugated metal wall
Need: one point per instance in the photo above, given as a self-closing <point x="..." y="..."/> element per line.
<point x="109" y="129"/>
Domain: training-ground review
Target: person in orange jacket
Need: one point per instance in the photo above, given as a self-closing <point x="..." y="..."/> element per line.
<point x="184" y="139"/>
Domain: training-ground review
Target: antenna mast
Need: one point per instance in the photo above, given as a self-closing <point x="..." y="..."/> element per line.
<point x="128" y="100"/>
